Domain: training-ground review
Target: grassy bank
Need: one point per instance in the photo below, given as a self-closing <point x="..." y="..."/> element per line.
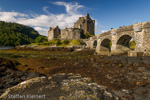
<point x="58" y="42"/>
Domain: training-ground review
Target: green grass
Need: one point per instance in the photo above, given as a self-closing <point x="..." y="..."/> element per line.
<point x="132" y="44"/>
<point x="59" y="42"/>
<point x="76" y="42"/>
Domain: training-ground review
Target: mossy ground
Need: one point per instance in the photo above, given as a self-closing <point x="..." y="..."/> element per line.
<point x="105" y="70"/>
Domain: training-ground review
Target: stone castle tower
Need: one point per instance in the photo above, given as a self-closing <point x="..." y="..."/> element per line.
<point x="86" y="23"/>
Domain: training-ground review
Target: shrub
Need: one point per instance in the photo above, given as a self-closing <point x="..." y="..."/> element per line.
<point x="66" y="42"/>
<point x="58" y="42"/>
<point x="87" y="34"/>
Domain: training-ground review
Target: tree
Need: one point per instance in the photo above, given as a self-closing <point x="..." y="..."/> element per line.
<point x="40" y="39"/>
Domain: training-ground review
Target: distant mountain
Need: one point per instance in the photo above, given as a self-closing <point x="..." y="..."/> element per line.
<point x="12" y="34"/>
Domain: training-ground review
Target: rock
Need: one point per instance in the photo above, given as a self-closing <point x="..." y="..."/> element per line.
<point x="1" y="87"/>
<point x="1" y="75"/>
<point x="141" y="69"/>
<point x="53" y="46"/>
<point x="2" y="68"/>
<point x="19" y="73"/>
<point x="10" y="76"/>
<point x="135" y="64"/>
<point x="142" y="93"/>
<point x="60" y="87"/>
<point x="28" y="69"/>
<point x="31" y="75"/>
<point x="35" y="46"/>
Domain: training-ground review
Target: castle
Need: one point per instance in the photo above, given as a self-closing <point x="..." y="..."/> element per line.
<point x="84" y="24"/>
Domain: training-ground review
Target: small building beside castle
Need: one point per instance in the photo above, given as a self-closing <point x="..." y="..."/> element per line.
<point x="54" y="33"/>
<point x="83" y="24"/>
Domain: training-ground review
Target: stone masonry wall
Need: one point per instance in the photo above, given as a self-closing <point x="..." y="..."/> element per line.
<point x="71" y="33"/>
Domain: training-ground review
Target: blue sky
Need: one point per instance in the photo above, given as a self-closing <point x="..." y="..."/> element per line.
<point x="42" y="14"/>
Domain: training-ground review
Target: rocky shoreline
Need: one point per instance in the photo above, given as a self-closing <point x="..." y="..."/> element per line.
<point x="51" y="48"/>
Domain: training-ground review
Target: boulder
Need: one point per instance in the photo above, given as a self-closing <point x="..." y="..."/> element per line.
<point x="59" y="87"/>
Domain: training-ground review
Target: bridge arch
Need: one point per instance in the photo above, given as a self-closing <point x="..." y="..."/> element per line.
<point x="95" y="44"/>
<point x="123" y="42"/>
<point x="105" y="45"/>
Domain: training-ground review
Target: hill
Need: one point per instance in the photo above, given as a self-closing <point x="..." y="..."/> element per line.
<point x="12" y="34"/>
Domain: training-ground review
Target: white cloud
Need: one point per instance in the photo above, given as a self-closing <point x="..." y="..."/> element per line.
<point x="99" y="31"/>
<point x="104" y="31"/>
<point x="99" y="28"/>
<point x="42" y="31"/>
<point x="45" y="10"/>
<point x="11" y="16"/>
<point x="71" y="8"/>
<point x="42" y="22"/>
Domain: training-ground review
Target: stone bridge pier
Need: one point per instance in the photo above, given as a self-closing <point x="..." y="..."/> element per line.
<point x="139" y="32"/>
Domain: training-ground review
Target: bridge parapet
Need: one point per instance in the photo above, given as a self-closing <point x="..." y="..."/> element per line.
<point x="105" y="33"/>
<point x="146" y="25"/>
<point x="114" y="31"/>
<point x="138" y="27"/>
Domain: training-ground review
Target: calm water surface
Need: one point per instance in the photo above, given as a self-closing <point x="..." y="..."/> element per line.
<point x="4" y="48"/>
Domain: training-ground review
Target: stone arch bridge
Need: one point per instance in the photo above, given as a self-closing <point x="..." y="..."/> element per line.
<point x="117" y="40"/>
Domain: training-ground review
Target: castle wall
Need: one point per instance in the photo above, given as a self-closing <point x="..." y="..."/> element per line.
<point x="71" y="33"/>
<point x="50" y="35"/>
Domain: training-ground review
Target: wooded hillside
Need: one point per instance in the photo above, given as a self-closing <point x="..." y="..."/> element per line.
<point x="12" y="34"/>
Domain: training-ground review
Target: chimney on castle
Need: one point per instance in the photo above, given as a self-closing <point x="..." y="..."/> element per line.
<point x="50" y="28"/>
<point x="87" y="15"/>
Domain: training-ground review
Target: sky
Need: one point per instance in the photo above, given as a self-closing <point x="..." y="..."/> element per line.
<point x="42" y="14"/>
